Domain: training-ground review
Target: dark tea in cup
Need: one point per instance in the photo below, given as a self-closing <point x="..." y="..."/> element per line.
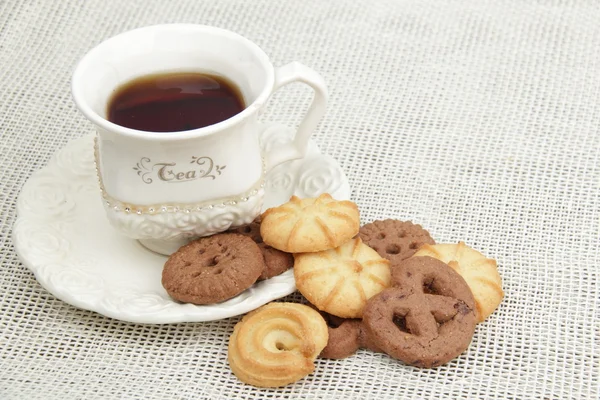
<point x="174" y="102"/>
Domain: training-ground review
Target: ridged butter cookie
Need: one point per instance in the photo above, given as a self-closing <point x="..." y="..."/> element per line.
<point x="310" y="225"/>
<point x="341" y="280"/>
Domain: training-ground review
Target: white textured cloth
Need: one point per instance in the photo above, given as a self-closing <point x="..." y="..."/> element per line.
<point x="477" y="119"/>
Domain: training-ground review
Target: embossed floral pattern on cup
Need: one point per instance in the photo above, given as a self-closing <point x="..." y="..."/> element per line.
<point x="146" y="227"/>
<point x="182" y="224"/>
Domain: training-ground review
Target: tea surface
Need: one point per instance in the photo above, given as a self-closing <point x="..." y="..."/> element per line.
<point x="173" y="102"/>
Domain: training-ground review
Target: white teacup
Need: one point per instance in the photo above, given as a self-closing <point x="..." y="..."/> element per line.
<point x="166" y="188"/>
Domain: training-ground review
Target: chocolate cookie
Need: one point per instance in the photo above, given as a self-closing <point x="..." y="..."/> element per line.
<point x="343" y="337"/>
<point x="276" y="261"/>
<point x="431" y="276"/>
<point x="212" y="269"/>
<point x="393" y="239"/>
<point x="427" y="319"/>
<point x="480" y="273"/>
<point x="346" y="336"/>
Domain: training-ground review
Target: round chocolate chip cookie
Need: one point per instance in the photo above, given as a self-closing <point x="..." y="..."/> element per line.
<point x="212" y="269"/>
<point x="393" y="239"/>
<point x="276" y="261"/>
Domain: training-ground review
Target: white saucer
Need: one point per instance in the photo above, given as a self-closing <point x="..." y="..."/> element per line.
<point x="64" y="237"/>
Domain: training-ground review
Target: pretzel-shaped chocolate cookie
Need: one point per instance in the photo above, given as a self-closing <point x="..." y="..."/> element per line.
<point x="427" y="319"/>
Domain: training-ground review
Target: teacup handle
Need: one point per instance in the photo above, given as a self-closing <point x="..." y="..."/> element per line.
<point x="297" y="72"/>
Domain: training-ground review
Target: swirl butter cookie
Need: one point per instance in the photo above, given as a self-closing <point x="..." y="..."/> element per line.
<point x="340" y="281"/>
<point x="480" y="273"/>
<point x="277" y="344"/>
<point x="212" y="269"/>
<point x="310" y="225"/>
<point x="393" y="239"/>
<point x="276" y="261"/>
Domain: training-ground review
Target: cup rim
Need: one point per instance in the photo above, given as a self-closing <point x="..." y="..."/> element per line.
<point x="86" y="110"/>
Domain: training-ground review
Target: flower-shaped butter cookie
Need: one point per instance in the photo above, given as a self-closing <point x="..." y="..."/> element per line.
<point x="341" y="280"/>
<point x="310" y="225"/>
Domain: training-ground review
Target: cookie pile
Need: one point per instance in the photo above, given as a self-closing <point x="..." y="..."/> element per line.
<point x="385" y="286"/>
<point x="216" y="268"/>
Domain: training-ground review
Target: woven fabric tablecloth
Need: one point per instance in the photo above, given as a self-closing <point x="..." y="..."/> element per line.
<point x="477" y="119"/>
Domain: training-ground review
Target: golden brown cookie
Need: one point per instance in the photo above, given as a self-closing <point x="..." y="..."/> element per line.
<point x="310" y="225"/>
<point x="276" y="261"/>
<point x="212" y="269"/>
<point x="393" y="239"/>
<point x="341" y="280"/>
<point x="276" y="344"/>
<point x="480" y="273"/>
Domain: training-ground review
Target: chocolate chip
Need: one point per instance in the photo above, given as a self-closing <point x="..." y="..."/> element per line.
<point x="462" y="308"/>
